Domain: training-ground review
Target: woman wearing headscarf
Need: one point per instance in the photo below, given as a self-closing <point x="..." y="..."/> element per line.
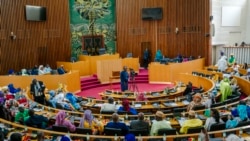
<point x="61" y="121"/>
<point x="225" y="89"/>
<point x="126" y="107"/>
<point x="88" y="121"/>
<point x="197" y="101"/>
<point x="222" y="64"/>
<point x="213" y="119"/>
<point x="141" y="97"/>
<point x="242" y="111"/>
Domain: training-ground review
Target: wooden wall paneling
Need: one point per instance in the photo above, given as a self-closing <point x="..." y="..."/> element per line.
<point x="36" y="42"/>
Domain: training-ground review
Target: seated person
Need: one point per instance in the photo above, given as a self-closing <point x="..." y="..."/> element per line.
<point x="88" y="121"/>
<point x="214" y="118"/>
<point x="21" y="115"/>
<point x="158" y="56"/>
<point x="41" y="70"/>
<point x="2" y="98"/>
<point x="140" y="123"/>
<point x="159" y="123"/>
<point x="141" y="97"/>
<point x="61" y="70"/>
<point x="126" y="107"/>
<point x="196" y="102"/>
<point x="73" y="100"/>
<point x="61" y="121"/>
<point x="225" y="89"/>
<point x="231" y="60"/>
<point x="110" y="106"/>
<point x="192" y="121"/>
<point x="209" y="101"/>
<point x="15" y="136"/>
<point x="232" y="122"/>
<point x="189" y="88"/>
<point x="235" y="66"/>
<point x="12" y="89"/>
<point x="116" y="124"/>
<point x="241" y="111"/>
<point x="37" y="121"/>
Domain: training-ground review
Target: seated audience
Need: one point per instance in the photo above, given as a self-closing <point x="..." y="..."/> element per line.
<point x="159" y="123"/>
<point x="140" y="123"/>
<point x="12" y="89"/>
<point x="158" y="56"/>
<point x="196" y="102"/>
<point x="110" y="106"/>
<point x="115" y="123"/>
<point x="89" y="121"/>
<point x="222" y="64"/>
<point x="34" y="70"/>
<point x="15" y="137"/>
<point x="232" y="122"/>
<point x="126" y="107"/>
<point x="37" y="121"/>
<point x="235" y="66"/>
<point x="61" y="70"/>
<point x="192" y="121"/>
<point x="61" y="121"/>
<point x="21" y="115"/>
<point x="225" y="89"/>
<point x="189" y="88"/>
<point x="241" y="111"/>
<point x="231" y="60"/>
<point x="213" y="119"/>
<point x="141" y="97"/>
<point x="24" y="72"/>
<point x="73" y="101"/>
<point x="209" y="101"/>
<point x="47" y="69"/>
<point x="41" y="70"/>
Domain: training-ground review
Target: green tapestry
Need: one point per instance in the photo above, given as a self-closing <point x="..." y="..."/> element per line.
<point x="92" y="17"/>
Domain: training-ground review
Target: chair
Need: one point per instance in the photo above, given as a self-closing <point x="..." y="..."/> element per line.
<point x="107" y="112"/>
<point x="167" y="131"/>
<point x="218" y="126"/>
<point x="178" y="111"/>
<point x="192" y="130"/>
<point x="83" y="130"/>
<point x="112" y="131"/>
<point x="60" y="128"/>
<point x="217" y="104"/>
<point x="199" y="107"/>
<point x="139" y="132"/>
<point x="243" y="123"/>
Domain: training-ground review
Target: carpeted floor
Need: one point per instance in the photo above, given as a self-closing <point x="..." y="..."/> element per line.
<point x="94" y="92"/>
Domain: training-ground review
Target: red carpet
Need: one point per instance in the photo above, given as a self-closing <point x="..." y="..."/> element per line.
<point x="91" y="87"/>
<point x="116" y="87"/>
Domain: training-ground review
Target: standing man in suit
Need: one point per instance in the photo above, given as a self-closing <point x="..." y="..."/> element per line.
<point x="124" y="76"/>
<point x="37" y="90"/>
<point x="146" y="58"/>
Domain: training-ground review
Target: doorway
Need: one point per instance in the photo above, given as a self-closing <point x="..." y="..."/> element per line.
<point x="144" y="46"/>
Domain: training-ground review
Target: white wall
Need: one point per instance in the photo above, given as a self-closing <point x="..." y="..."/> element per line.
<point x="247" y="38"/>
<point x="230" y="35"/>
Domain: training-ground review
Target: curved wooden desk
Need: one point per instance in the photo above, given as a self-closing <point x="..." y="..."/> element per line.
<point x="71" y="79"/>
<point x="154" y="95"/>
<point x="79" y="65"/>
<point x="144" y="138"/>
<point x="160" y="73"/>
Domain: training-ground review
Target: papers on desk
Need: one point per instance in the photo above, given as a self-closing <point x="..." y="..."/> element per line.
<point x="138" y="105"/>
<point x="181" y="121"/>
<point x="37" y="109"/>
<point x="185" y="102"/>
<point x="169" y="104"/>
<point x="155" y="94"/>
<point x="98" y="105"/>
<point x="156" y="105"/>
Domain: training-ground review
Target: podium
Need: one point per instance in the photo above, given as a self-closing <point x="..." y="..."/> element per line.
<point x="115" y="75"/>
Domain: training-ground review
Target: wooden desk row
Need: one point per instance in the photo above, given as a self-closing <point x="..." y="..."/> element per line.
<point x="156" y="95"/>
<point x="143" y="138"/>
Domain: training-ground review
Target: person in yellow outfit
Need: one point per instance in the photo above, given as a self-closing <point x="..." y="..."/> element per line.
<point x="192" y="121"/>
<point x="88" y="121"/>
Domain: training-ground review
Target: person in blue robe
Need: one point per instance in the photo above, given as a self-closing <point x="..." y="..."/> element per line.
<point x="124" y="76"/>
<point x="158" y="56"/>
